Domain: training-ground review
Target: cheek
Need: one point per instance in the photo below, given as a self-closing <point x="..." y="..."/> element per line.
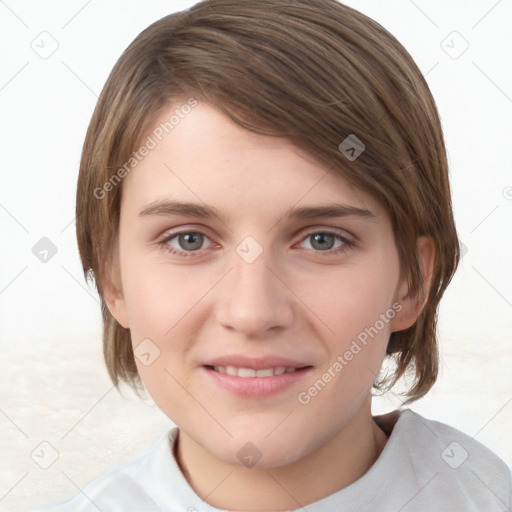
<point x="355" y="311"/>
<point x="347" y="302"/>
<point x="159" y="297"/>
<point x="355" y="350"/>
<point x="164" y="308"/>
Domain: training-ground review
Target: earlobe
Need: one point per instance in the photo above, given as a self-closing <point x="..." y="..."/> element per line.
<point x="115" y="302"/>
<point x="412" y="305"/>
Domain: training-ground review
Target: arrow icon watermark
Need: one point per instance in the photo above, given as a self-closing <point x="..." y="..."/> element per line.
<point x="44" y="250"/>
<point x="147" y="352"/>
<point x="352" y="147"/>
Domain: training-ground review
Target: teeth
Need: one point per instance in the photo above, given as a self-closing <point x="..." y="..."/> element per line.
<point x="250" y="372"/>
<point x="265" y="373"/>
<point x="246" y="372"/>
<point x="231" y="370"/>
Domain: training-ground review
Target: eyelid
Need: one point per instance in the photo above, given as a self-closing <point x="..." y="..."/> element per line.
<point x="170" y="234"/>
<point x="343" y="233"/>
<point x="348" y="240"/>
<point x="347" y="243"/>
<point x="310" y="230"/>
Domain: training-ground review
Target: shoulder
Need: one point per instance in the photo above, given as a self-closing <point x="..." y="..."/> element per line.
<point x="459" y="467"/>
<point x="126" y="488"/>
<point x="457" y="448"/>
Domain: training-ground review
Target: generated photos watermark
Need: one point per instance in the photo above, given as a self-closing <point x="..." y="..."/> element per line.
<point x="151" y="142"/>
<point x="305" y="397"/>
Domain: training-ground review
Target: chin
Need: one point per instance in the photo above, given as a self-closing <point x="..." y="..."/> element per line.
<point x="259" y="452"/>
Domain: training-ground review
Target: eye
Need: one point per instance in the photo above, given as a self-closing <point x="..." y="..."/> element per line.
<point x="186" y="243"/>
<point x="324" y="241"/>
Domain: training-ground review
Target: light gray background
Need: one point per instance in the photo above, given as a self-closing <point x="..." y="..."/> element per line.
<point x="54" y="387"/>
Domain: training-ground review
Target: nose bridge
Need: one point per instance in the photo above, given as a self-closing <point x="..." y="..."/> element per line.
<point x="251" y="272"/>
<point x="255" y="300"/>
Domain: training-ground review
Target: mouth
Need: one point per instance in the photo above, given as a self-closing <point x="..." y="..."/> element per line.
<point x="246" y="382"/>
<point x="251" y="372"/>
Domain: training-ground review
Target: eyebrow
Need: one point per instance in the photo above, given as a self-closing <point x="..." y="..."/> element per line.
<point x="164" y="207"/>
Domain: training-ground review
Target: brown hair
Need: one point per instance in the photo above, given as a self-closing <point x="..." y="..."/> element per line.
<point x="314" y="72"/>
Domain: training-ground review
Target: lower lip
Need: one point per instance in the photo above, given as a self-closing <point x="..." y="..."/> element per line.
<point x="256" y="387"/>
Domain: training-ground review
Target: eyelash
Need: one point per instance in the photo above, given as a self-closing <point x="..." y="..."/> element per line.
<point x="347" y="244"/>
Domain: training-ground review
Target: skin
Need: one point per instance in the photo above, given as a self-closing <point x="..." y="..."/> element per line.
<point x="294" y="300"/>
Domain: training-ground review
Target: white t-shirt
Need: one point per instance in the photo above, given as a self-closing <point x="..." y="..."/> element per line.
<point x="425" y="466"/>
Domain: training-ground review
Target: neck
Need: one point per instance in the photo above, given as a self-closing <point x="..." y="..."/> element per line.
<point x="333" y="466"/>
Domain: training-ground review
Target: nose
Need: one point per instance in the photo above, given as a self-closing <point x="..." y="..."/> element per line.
<point x="255" y="298"/>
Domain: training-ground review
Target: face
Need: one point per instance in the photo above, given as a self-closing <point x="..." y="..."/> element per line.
<point x="240" y="254"/>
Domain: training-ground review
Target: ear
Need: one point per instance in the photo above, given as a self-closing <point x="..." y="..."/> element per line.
<point x="413" y="305"/>
<point x="114" y="298"/>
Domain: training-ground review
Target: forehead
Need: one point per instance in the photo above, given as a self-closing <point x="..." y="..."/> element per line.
<point x="203" y="156"/>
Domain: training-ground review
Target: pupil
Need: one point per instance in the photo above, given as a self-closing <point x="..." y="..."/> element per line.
<point x="320" y="239"/>
<point x="193" y="239"/>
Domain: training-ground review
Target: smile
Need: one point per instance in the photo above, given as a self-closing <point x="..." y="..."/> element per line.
<point x="256" y="383"/>
<point x="250" y="372"/>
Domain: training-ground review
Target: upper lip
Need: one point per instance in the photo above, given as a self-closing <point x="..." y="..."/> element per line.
<point x="256" y="363"/>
